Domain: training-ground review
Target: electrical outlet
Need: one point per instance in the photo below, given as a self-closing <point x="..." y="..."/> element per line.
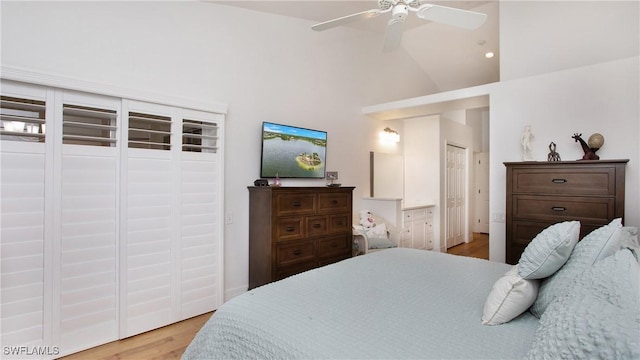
<point x="228" y="219"/>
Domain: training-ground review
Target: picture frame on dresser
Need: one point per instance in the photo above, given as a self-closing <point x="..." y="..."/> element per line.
<point x="539" y="194"/>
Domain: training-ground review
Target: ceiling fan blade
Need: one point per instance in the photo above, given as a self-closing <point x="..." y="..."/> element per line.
<point x="393" y="35"/>
<point x="346" y="19"/>
<point x="451" y="16"/>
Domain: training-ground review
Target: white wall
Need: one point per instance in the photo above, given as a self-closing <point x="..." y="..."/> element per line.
<point x="265" y="67"/>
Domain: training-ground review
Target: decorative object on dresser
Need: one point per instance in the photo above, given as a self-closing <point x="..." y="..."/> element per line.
<point x="543" y="193"/>
<point x="553" y="154"/>
<point x="593" y="144"/>
<point x="294" y="229"/>
<point x="525" y="141"/>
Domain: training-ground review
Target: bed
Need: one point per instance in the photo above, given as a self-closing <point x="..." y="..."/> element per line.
<point x="401" y="303"/>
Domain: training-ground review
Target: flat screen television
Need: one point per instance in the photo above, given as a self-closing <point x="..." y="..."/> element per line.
<point x="292" y="152"/>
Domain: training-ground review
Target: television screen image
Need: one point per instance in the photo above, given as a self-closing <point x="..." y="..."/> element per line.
<point x="292" y="152"/>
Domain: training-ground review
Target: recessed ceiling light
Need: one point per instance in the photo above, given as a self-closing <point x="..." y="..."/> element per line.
<point x="488" y="55"/>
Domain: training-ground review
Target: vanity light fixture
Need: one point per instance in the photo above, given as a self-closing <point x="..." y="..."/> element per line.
<point x="389" y="135"/>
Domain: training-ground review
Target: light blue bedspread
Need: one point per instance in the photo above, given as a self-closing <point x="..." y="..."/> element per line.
<point x="391" y="304"/>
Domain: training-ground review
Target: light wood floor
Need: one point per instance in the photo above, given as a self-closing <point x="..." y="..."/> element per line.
<point x="478" y="248"/>
<point x="169" y="342"/>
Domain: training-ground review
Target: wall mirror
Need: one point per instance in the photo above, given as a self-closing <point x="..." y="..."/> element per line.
<point x="386" y="175"/>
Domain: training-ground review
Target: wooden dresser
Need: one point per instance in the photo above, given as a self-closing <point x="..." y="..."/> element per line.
<point x="540" y="194"/>
<point x="294" y="229"/>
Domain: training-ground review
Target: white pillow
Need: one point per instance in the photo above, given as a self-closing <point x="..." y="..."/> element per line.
<point x="598" y="244"/>
<point x="510" y="296"/>
<point x="549" y="250"/>
<point x="378" y="231"/>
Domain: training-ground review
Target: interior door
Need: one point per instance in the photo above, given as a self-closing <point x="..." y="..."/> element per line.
<point x="481" y="175"/>
<point x="455" y="195"/>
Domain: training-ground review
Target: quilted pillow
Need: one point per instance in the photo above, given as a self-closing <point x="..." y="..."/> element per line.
<point x="549" y="250"/>
<point x="377" y="237"/>
<point x="599" y="318"/>
<point x="378" y="231"/>
<point x="510" y="296"/>
<point x="596" y="245"/>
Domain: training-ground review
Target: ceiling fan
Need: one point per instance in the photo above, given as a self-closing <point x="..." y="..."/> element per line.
<point x="399" y="11"/>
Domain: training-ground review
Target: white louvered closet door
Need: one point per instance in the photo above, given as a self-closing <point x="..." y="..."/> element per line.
<point x="148" y="219"/>
<point x="201" y="213"/>
<point x="86" y="260"/>
<point x="110" y="217"/>
<point x="171" y="216"/>
<point x="23" y="169"/>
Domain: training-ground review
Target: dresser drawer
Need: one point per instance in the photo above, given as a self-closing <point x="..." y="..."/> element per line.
<point x="295" y="204"/>
<point x="339" y="223"/>
<point x="293" y="253"/>
<point x="563" y="208"/>
<point x="334" y="202"/>
<point x="317" y="225"/>
<point x="334" y="246"/>
<point x="576" y="181"/>
<point x="289" y="228"/>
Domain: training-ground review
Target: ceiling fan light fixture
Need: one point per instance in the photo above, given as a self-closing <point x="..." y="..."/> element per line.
<point x="400" y="12"/>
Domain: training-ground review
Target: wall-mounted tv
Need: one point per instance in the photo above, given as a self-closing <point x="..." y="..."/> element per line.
<point x="292" y="152"/>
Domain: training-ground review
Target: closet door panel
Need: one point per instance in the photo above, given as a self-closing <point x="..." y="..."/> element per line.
<point x="149" y="223"/>
<point x="22" y="207"/>
<point x="200" y="251"/>
<point x="88" y="247"/>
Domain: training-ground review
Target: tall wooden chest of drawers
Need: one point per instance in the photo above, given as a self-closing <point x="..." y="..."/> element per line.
<point x="294" y="229"/>
<point x="540" y="194"/>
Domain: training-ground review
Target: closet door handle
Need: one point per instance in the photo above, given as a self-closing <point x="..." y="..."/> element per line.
<point x="558" y="208"/>
<point x="559" y="181"/>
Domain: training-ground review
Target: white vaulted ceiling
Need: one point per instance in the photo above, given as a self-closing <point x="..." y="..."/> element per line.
<point x="452" y="57"/>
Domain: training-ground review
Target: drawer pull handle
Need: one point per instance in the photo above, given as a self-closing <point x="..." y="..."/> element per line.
<point x="559" y="181"/>
<point x="558" y="208"/>
<point x="334" y="202"/>
<point x="317" y="226"/>
<point x="297" y="252"/>
<point x="334" y="245"/>
<point x="289" y="228"/>
<point x="296" y="203"/>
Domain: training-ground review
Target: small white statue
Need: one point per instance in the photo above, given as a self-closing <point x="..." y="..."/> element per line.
<point x="525" y="141"/>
